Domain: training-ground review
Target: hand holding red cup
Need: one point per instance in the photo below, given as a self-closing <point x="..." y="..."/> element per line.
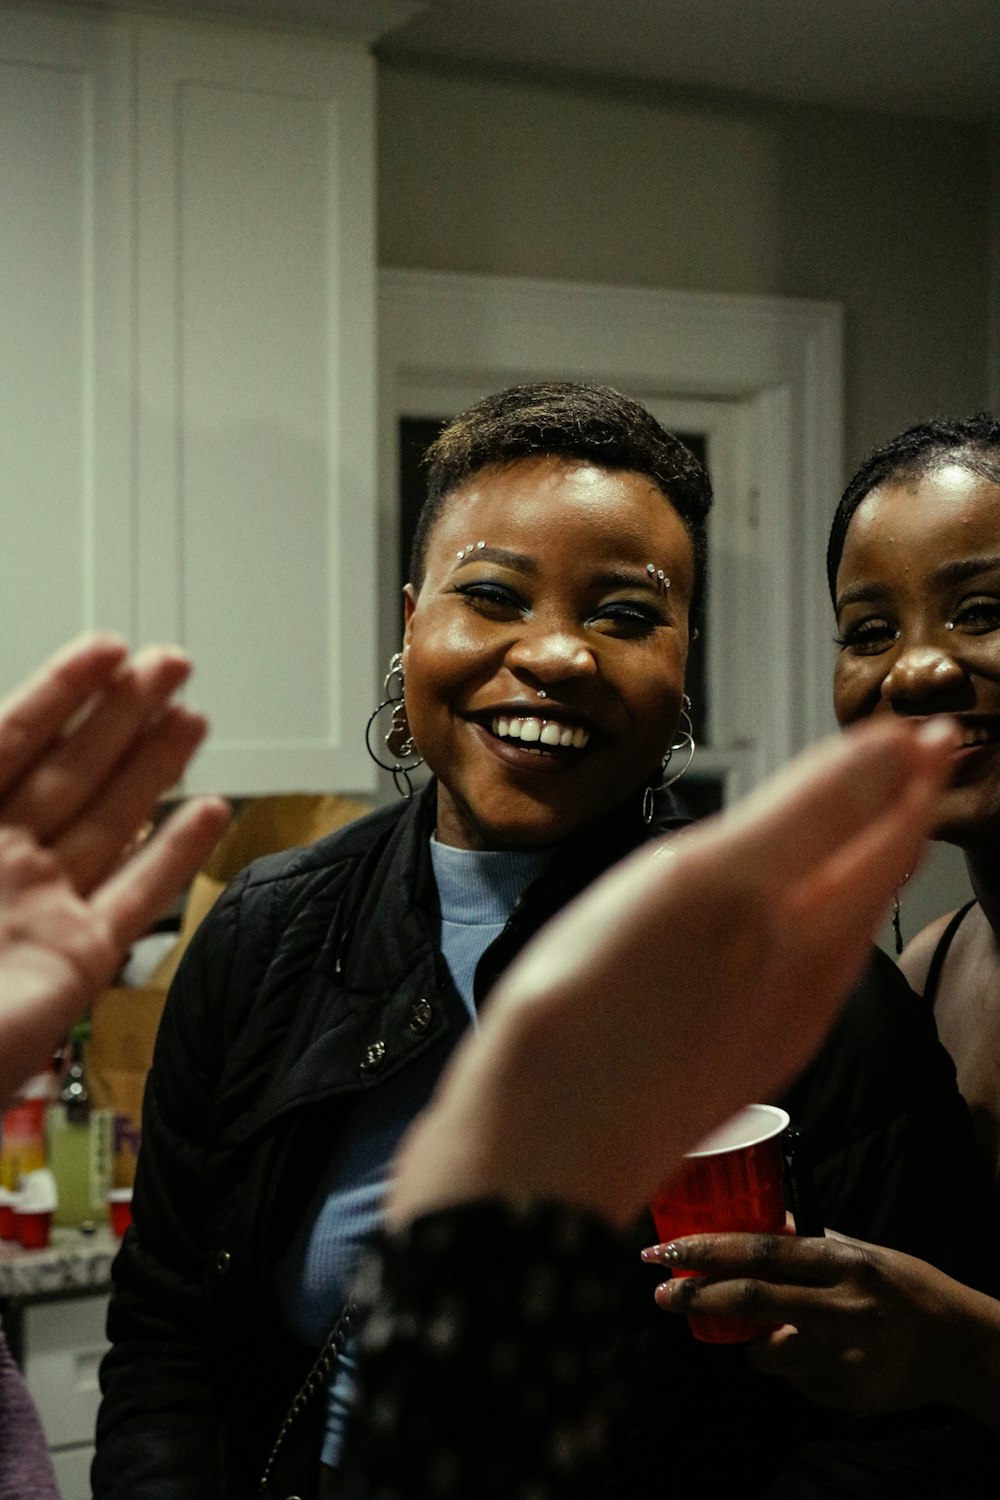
<point x="734" y="1181"/>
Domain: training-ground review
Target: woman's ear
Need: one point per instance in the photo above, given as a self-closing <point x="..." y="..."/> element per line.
<point x="409" y="605"/>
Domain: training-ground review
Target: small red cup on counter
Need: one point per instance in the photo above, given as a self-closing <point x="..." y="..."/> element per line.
<point x="119" y="1210"/>
<point x="34" y="1205"/>
<point x="8" y="1223"/>
<point x="33" y="1229"/>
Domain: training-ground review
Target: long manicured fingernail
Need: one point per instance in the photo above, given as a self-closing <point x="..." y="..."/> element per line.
<point x="665" y="1255"/>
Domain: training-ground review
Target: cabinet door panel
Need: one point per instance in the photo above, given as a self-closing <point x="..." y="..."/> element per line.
<point x="72" y="1469"/>
<point x="65" y="564"/>
<point x="256" y="300"/>
<point x="64" y="1343"/>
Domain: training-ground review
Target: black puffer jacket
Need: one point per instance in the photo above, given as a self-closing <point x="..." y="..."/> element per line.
<point x="318" y="975"/>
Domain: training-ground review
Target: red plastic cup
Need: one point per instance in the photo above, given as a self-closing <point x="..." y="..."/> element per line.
<point x="33" y="1228"/>
<point x="8" y="1222"/>
<point x="120" y="1210"/>
<point x="734" y="1181"/>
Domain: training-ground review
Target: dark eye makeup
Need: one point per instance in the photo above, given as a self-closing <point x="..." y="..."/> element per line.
<point x="977" y="616"/>
<point x="867" y="637"/>
<point x="630" y="616"/>
<point x="486" y="594"/>
<point x="625" y="617"/>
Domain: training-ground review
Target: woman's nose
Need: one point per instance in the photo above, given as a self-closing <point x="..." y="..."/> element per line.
<point x="552" y="653"/>
<point x="921" y="677"/>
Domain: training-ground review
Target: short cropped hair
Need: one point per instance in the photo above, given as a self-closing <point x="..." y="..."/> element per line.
<point x="973" y="442"/>
<point x="562" y="419"/>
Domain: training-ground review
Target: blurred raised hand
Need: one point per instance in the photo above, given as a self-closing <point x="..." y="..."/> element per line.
<point x="682" y="985"/>
<point x="87" y="747"/>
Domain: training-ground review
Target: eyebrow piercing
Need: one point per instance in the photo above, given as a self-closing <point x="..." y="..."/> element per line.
<point x="949" y="624"/>
<point x="472" y="547"/>
<point x="657" y="576"/>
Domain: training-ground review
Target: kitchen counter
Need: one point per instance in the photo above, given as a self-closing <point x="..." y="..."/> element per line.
<point x="72" y="1262"/>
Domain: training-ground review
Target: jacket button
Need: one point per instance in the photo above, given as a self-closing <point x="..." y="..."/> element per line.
<point x="420" y="1015"/>
<point x="373" y="1056"/>
<point x="223" y="1262"/>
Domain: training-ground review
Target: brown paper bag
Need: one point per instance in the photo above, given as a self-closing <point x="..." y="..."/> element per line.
<point x="266" y="825"/>
<point x="123" y="1026"/>
<point x="124" y="1022"/>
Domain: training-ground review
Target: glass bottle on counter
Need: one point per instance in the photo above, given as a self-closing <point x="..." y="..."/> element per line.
<point x="79" y="1147"/>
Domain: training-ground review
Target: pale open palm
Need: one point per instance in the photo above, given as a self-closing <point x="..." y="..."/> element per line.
<point x="678" y="987"/>
<point x="87" y="747"/>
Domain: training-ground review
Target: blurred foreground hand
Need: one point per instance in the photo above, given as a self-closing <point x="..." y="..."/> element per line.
<point x="87" y="748"/>
<point x="681" y="985"/>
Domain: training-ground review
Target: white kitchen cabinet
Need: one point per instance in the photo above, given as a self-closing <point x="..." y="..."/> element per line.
<point x="65" y="352"/>
<point x="187" y="351"/>
<point x="64" y="1343"/>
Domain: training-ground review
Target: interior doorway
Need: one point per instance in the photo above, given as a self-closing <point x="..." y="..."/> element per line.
<point x="755" y="382"/>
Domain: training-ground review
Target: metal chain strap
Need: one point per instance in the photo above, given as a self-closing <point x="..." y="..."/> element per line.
<point x="316" y="1379"/>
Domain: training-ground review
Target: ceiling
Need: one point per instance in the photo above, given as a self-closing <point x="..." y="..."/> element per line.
<point x="928" y="57"/>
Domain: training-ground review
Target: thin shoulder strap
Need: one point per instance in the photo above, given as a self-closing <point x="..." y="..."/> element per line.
<point x="941" y="953"/>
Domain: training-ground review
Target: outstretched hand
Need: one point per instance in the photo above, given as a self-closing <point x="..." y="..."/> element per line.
<point x="861" y="1328"/>
<point x="87" y="747"/>
<point x="679" y="986"/>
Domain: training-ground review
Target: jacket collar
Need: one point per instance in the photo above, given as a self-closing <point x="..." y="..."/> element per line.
<point x="381" y="955"/>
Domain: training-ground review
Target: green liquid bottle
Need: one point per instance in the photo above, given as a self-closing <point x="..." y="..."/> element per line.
<point x="69" y="1159"/>
<point x="77" y="1151"/>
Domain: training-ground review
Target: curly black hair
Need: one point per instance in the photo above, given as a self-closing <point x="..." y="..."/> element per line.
<point x="973" y="442"/>
<point x="592" y="423"/>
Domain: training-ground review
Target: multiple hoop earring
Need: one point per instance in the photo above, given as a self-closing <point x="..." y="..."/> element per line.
<point x="684" y="745"/>
<point x="396" y="736"/>
<point x="405" y="757"/>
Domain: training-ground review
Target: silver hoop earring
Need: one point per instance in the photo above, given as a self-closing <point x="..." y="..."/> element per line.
<point x="396" y="735"/>
<point x="684" y="745"/>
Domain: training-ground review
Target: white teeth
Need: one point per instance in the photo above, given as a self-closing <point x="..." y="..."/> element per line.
<point x="531" y="730"/>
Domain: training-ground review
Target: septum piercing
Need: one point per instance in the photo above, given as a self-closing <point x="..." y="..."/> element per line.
<point x="658" y="577"/>
<point x="472" y="547"/>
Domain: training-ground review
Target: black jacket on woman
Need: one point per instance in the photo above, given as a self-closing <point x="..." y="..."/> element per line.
<point x="318" y="975"/>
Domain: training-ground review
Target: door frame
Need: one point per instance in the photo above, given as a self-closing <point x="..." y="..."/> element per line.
<point x="443" y="335"/>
